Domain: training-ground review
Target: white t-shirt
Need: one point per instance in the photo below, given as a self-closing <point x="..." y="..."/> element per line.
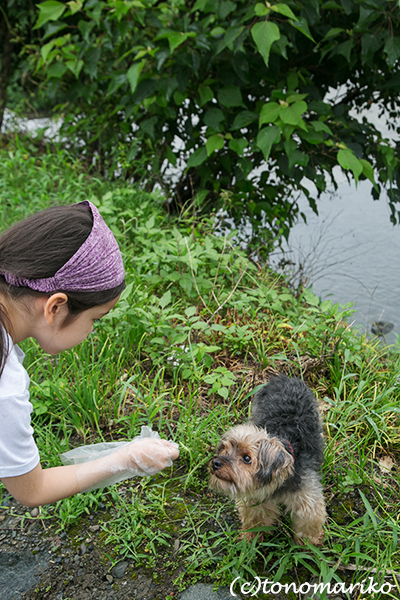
<point x="18" y="451"/>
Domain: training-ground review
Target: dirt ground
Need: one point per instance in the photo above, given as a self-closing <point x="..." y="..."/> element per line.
<point x="37" y="564"/>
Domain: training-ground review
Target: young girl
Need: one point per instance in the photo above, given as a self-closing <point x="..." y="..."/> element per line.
<point x="60" y="270"/>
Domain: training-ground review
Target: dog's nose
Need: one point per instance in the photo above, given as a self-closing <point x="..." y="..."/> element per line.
<point x="216" y="464"/>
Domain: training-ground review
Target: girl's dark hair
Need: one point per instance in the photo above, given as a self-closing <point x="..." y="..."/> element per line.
<point x="38" y="247"/>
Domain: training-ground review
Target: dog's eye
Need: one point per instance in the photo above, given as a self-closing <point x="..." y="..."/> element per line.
<point x="246" y="459"/>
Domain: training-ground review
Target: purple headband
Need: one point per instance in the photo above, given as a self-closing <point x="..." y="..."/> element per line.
<point x="95" y="266"/>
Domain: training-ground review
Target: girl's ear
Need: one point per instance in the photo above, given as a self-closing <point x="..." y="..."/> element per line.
<point x="54" y="305"/>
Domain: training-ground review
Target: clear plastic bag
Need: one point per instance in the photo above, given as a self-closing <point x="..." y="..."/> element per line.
<point x="93" y="451"/>
<point x="111" y="469"/>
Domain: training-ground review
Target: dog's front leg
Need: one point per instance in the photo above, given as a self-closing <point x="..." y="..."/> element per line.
<point x="256" y="515"/>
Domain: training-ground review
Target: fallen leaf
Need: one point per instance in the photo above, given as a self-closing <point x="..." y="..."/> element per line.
<point x="386" y="464"/>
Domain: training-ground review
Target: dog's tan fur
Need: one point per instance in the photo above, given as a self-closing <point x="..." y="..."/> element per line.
<point x="256" y="500"/>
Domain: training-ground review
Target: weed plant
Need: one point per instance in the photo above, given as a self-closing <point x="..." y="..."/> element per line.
<point x="197" y="329"/>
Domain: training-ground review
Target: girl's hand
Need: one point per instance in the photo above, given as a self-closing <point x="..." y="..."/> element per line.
<point x="149" y="455"/>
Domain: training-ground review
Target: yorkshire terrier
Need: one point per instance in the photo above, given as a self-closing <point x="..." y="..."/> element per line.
<point x="275" y="459"/>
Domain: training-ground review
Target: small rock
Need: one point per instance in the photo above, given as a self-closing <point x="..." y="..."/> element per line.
<point x="119" y="569"/>
<point x="381" y="328"/>
<point x="82" y="549"/>
<point x="34" y="512"/>
<point x="109" y="579"/>
<point x="202" y="591"/>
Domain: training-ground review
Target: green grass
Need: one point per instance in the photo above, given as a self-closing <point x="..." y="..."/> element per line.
<point x="198" y="327"/>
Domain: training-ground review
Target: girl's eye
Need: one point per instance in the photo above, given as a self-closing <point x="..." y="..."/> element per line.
<point x="246" y="459"/>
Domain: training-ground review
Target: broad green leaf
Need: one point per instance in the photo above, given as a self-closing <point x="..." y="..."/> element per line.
<point x="57" y="70"/>
<point x="290" y="146"/>
<point x="223" y="391"/>
<point x="116" y="81"/>
<point x="298" y="158"/>
<point x="230" y="36"/>
<point x="165" y="299"/>
<point x="200" y="5"/>
<point x="133" y="74"/>
<point x="44" y="52"/>
<point x="51" y="10"/>
<point x="75" y="66"/>
<point x="310" y="297"/>
<point x="206" y="94"/>
<point x="392" y="49"/>
<point x="345" y="49"/>
<point x="179" y="98"/>
<point x="215" y="142"/>
<point x="226" y="7"/>
<point x="214" y="117"/>
<point x="217" y="31"/>
<point x="265" y="34"/>
<point x="369" y="46"/>
<point x="321" y="126"/>
<point x="176" y="38"/>
<point x="92" y="59"/>
<point x="261" y="10"/>
<point x="333" y="32"/>
<point x="302" y="25"/>
<point x="53" y="27"/>
<point x="348" y="160"/>
<point x="148" y="125"/>
<point x="266" y="138"/>
<point x="75" y="6"/>
<point x="295" y="98"/>
<point x="230" y="96"/>
<point x="368" y="170"/>
<point x="284" y="10"/>
<point x="238" y="146"/>
<point x="292" y="114"/>
<point x="85" y="27"/>
<point x="269" y="113"/>
<point x="197" y="158"/>
<point x="243" y="119"/>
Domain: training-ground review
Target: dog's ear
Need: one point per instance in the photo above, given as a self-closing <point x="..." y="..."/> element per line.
<point x="274" y="462"/>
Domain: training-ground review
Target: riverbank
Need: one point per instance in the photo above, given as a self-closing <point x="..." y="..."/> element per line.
<point x="197" y="329"/>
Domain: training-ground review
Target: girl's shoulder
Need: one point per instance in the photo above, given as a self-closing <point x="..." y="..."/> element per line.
<point x="14" y="380"/>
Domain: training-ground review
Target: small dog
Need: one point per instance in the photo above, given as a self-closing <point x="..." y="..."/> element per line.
<point x="275" y="458"/>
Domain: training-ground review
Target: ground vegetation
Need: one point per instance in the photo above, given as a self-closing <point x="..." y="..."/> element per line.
<point x="197" y="329"/>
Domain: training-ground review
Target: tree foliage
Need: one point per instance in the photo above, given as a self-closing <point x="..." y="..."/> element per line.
<point x="241" y="104"/>
<point x="17" y="18"/>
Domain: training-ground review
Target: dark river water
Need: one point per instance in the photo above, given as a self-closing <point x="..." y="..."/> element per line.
<point x="351" y="253"/>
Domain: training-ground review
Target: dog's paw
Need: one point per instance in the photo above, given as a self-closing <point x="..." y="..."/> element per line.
<point x="317" y="540"/>
<point x="249" y="536"/>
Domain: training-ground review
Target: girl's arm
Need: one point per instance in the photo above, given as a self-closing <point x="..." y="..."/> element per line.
<point x="43" y="486"/>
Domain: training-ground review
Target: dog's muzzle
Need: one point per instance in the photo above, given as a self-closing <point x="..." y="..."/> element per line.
<point x="216" y="463"/>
